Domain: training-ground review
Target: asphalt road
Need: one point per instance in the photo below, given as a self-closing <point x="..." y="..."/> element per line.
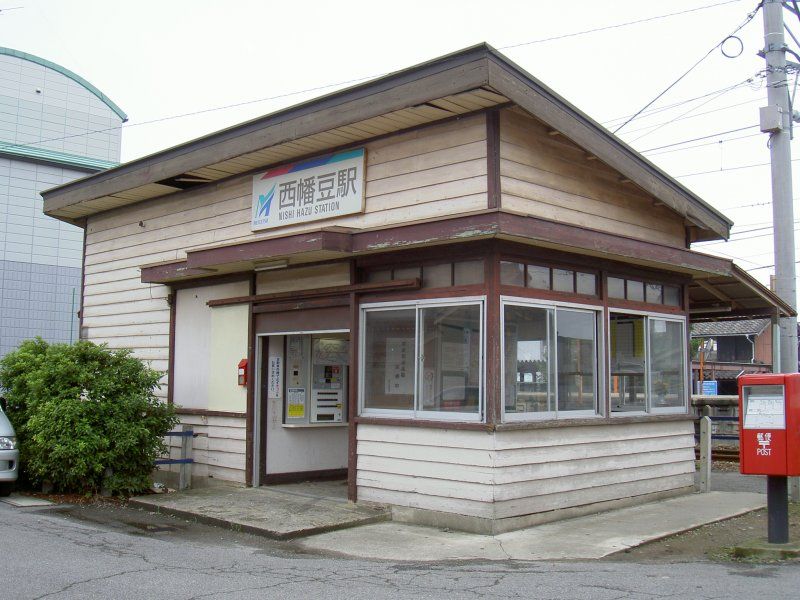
<point x="96" y="552"/>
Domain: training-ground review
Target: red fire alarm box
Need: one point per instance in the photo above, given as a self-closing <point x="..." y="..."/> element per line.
<point x="769" y="424"/>
<point x="243" y="372"/>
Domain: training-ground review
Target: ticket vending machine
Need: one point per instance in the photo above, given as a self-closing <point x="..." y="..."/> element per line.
<point x="317" y="379"/>
<point x="769" y="424"/>
<point x="328" y="393"/>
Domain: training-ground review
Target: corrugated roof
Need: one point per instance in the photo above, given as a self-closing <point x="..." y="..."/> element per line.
<point x="726" y="328"/>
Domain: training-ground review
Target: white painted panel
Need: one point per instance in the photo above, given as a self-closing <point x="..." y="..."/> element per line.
<point x="229" y="328"/>
<point x="193" y="342"/>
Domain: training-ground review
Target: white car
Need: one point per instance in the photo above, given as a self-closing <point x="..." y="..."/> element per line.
<point x="9" y="455"/>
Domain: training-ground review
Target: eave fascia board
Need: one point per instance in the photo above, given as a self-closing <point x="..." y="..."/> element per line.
<point x="440" y="77"/>
<point x="532" y="95"/>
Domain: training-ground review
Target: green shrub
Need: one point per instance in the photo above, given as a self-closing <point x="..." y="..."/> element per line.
<point x="81" y="409"/>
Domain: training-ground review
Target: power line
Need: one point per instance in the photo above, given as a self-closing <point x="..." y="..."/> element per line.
<point x="616" y="26"/>
<point x="683" y="118"/>
<point x="702" y="137"/>
<point x="705" y="56"/>
<point x="653" y="111"/>
<point x="741" y="239"/>
<point x="684" y="114"/>
<point x="730" y="169"/>
<point x="720" y="141"/>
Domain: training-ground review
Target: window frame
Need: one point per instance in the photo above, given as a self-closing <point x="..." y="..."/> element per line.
<point x="600" y="399"/>
<point x="649" y="409"/>
<point x="417" y="413"/>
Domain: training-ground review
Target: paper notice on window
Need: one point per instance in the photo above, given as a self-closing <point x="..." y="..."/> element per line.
<point x="399" y="377"/>
<point x="765" y="412"/>
<point x="296" y="403"/>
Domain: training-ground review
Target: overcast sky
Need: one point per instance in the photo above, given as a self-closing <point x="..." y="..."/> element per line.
<point x="159" y="59"/>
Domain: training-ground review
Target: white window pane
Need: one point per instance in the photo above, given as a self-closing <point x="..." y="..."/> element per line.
<point x="434" y="276"/>
<point x="388" y="360"/>
<point x="563" y="280"/>
<point x="512" y="273"/>
<point x="450" y="348"/>
<point x="577" y="362"/>
<point x="538" y="277"/>
<point x="635" y="291"/>
<point x="407" y="273"/>
<point x="527" y="362"/>
<point x="587" y="283"/>
<point x="616" y="287"/>
<point x="667" y="367"/>
<point x="672" y="295"/>
<point x="653" y="293"/>
<point x="468" y="272"/>
<point x="379" y="276"/>
<point x="627" y="359"/>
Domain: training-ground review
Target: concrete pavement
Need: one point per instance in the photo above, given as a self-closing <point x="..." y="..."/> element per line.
<point x="588" y="537"/>
<point x="279" y="512"/>
<point x="320" y="514"/>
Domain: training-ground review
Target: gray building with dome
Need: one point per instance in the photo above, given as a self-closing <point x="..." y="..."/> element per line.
<point x="54" y="127"/>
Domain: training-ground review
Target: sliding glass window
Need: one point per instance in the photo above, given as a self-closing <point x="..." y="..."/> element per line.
<point x="423" y="360"/>
<point x="550" y="365"/>
<point x="648" y="363"/>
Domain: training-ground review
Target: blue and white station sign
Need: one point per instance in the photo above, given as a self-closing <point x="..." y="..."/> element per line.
<point x="321" y="188"/>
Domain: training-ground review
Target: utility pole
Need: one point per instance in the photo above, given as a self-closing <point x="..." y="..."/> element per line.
<point x="776" y="119"/>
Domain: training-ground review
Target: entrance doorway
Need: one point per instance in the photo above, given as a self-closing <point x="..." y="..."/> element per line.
<point x="302" y="405"/>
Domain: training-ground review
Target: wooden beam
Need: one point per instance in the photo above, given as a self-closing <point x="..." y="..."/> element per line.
<point x="358" y="288"/>
<point x="716" y="293"/>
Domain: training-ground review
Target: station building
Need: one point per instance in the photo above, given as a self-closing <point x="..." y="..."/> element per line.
<point x="448" y="285"/>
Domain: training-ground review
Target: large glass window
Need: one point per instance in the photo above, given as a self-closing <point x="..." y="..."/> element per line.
<point x="425" y="359"/>
<point x="388" y="359"/>
<point x="648" y="363"/>
<point x="549" y="360"/>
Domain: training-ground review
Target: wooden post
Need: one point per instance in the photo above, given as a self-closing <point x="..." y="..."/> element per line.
<point x="705" y="454"/>
<point x="185" y="471"/>
<point x="794" y="489"/>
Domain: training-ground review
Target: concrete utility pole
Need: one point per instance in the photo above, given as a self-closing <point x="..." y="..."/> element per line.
<point x="776" y="119"/>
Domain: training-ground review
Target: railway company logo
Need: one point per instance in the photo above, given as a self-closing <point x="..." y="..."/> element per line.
<point x="263" y="205"/>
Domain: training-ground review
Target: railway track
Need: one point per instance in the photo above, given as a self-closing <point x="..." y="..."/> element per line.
<point x="723" y="455"/>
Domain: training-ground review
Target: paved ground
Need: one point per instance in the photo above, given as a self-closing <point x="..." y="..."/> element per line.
<point x="279" y="512"/>
<point x="589" y="537"/>
<point x="111" y="552"/>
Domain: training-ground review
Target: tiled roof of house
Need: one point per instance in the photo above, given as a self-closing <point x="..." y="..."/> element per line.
<point x="722" y="328"/>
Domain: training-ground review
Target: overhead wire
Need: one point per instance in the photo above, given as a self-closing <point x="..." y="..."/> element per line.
<point x="615" y="26"/>
<point x="749" y="18"/>
<point x="350" y="81"/>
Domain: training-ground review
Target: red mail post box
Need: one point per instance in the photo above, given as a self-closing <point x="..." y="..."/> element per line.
<point x="769" y="424"/>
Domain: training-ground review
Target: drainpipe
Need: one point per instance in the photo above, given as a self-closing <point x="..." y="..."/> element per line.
<point x="753" y="349"/>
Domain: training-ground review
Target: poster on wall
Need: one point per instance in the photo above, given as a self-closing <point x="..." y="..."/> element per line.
<point x="321" y="188"/>
<point x="399" y="366"/>
<point x="296" y="403"/>
<point x="274" y="385"/>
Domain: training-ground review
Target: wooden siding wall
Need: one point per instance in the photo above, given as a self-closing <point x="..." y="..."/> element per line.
<point x="516" y="473"/>
<point x="549" y="177"/>
<point x="219" y="450"/>
<point x="439" y="170"/>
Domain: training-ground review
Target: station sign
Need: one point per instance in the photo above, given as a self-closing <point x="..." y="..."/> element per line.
<point x="320" y="188"/>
